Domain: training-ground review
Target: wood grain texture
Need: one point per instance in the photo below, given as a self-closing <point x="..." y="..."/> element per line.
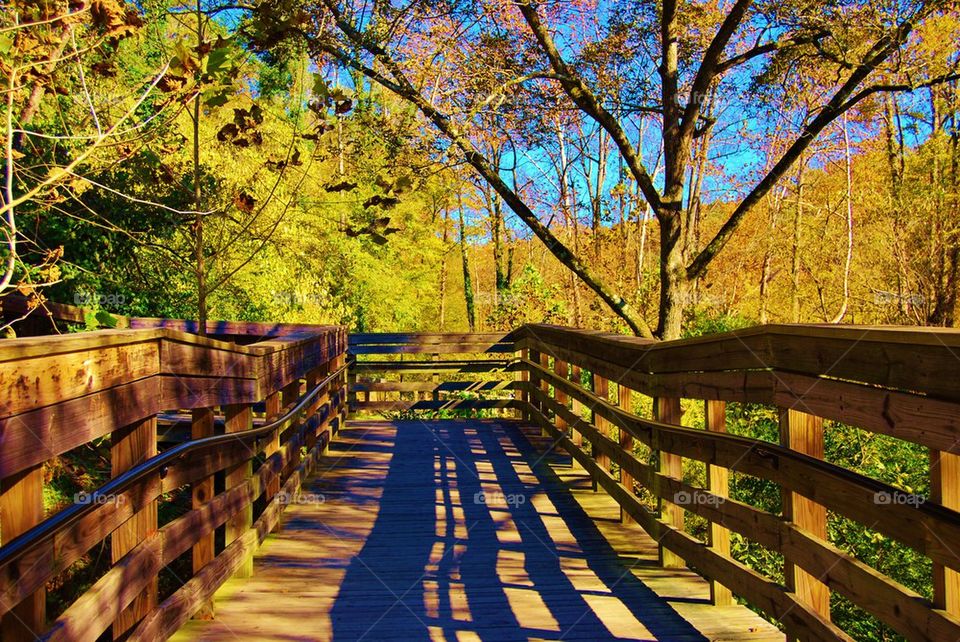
<point x="130" y="446"/>
<point x="410" y="553"/>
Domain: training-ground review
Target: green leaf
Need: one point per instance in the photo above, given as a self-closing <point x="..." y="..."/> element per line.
<point x="219" y="60"/>
<point x="6" y="43"/>
<point x="217" y="98"/>
<point x="106" y="319"/>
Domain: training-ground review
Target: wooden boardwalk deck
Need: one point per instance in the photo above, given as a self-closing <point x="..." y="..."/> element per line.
<point x="461" y="530"/>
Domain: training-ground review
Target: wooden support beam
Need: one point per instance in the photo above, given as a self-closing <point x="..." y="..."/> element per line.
<point x="945" y="490"/>
<point x="130" y="446"/>
<point x="544" y="385"/>
<point x="21" y="508"/>
<point x="237" y="418"/>
<point x="601" y="388"/>
<point x="524" y="375"/>
<point x="575" y="377"/>
<point x="625" y="402"/>
<point x="534" y="357"/>
<point x="273" y="412"/>
<point x="667" y="410"/>
<point x="202" y="492"/>
<point x="562" y="370"/>
<point x="718" y="483"/>
<point x="803" y="433"/>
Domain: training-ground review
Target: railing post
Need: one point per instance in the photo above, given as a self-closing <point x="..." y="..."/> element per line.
<point x="239" y="417"/>
<point x="202" y="492"/>
<point x="945" y="490"/>
<point x="803" y="433"/>
<point x="577" y="408"/>
<point x="289" y="395"/>
<point x="21" y="508"/>
<point x="667" y="410"/>
<point x="601" y="388"/>
<point x="273" y="411"/>
<point x="625" y="403"/>
<point x="534" y="357"/>
<point x="129" y="446"/>
<point x="524" y="377"/>
<point x="715" y="420"/>
<point x="561" y="369"/>
<point x="545" y="387"/>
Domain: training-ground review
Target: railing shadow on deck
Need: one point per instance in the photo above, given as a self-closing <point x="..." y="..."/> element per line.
<point x="434" y="467"/>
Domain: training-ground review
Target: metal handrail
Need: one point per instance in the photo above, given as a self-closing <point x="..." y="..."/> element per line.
<point x="30" y="539"/>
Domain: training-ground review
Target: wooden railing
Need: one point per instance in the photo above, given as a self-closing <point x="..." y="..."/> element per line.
<point x="410" y="372"/>
<point x="260" y="411"/>
<point x="259" y="414"/>
<point x="900" y="382"/>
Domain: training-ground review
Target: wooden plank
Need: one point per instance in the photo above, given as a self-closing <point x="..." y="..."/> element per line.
<point x="434" y="348"/>
<point x="625" y="403"/>
<point x="424" y="338"/>
<point x="28" y="384"/>
<point x="34" y="437"/>
<point x="577" y="405"/>
<point x="443" y="404"/>
<point x="945" y="490"/>
<point x="21" y="508"/>
<point x="129" y="447"/>
<point x="202" y="491"/>
<point x="667" y="410"/>
<point x="715" y="420"/>
<point x="803" y="433"/>
<point x="239" y="418"/>
<point x="489" y="365"/>
<point x="601" y="388"/>
<point x="431" y="386"/>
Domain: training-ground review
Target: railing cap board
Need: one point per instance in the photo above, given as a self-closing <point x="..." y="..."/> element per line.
<point x="25" y="348"/>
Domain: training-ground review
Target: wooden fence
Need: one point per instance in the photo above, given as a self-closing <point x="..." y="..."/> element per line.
<point x="432" y="372"/>
<point x="898" y="382"/>
<point x="254" y="407"/>
<point x="259" y="415"/>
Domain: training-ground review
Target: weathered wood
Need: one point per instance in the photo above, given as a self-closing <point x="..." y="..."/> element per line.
<point x="945" y="490"/>
<point x="715" y="420"/>
<point x="625" y="403"/>
<point x="239" y="418"/>
<point x="804" y="433"/>
<point x="762" y="592"/>
<point x="21" y="507"/>
<point x="667" y="410"/>
<point x="129" y="447"/>
<point x="915" y="617"/>
<point x="443" y="404"/>
<point x="29" y="384"/>
<point x="601" y="388"/>
<point x="835" y="487"/>
<point x="202" y="492"/>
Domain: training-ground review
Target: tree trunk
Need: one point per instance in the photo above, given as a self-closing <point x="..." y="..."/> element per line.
<point x="467" y="281"/>
<point x="795" y="247"/>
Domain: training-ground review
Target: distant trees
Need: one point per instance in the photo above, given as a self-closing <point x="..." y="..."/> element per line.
<point x="686" y="66"/>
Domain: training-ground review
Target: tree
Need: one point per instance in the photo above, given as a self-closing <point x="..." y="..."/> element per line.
<point x="863" y="49"/>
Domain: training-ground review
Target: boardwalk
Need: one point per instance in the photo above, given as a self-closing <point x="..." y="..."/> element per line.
<point x="461" y="530"/>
